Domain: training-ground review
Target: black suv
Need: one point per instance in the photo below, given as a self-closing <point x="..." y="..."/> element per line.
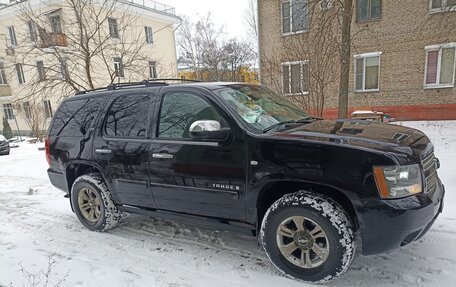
<point x="239" y="157"/>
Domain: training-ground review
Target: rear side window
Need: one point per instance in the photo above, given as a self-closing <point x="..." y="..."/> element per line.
<point x="127" y="117"/>
<point x="74" y="118"/>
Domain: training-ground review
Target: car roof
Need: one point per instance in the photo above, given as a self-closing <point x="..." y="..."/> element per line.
<point x="151" y="85"/>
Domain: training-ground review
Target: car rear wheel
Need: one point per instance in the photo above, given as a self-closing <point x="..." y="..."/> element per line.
<point x="93" y="203"/>
<point x="308" y="237"/>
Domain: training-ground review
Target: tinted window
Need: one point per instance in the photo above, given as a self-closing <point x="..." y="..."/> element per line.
<point x="179" y="111"/>
<point x="127" y="117"/>
<point x="74" y="118"/>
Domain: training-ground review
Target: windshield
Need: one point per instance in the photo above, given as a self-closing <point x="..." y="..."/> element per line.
<point x="259" y="107"/>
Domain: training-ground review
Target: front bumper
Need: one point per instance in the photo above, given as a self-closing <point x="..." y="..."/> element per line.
<point x="386" y="225"/>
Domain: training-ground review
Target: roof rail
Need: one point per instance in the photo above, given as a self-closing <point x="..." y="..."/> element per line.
<point x="145" y="83"/>
<point x="177" y="80"/>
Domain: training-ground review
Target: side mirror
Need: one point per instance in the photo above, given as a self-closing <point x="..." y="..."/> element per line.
<point x="208" y="130"/>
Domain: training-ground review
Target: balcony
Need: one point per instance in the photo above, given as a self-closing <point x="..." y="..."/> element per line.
<point x="52" y="40"/>
<point x="5" y="91"/>
<point x="154" y="5"/>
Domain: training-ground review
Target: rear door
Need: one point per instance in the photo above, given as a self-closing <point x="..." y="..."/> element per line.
<point x="194" y="176"/>
<point x="122" y="148"/>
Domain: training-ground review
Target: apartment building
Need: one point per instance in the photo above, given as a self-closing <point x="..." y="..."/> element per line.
<point x="49" y="49"/>
<point x="403" y="55"/>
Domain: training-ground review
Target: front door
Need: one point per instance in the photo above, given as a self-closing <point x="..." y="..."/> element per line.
<point x="194" y="176"/>
<point x="122" y="149"/>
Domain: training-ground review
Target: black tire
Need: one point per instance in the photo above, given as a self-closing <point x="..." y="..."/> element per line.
<point x="331" y="218"/>
<point x="109" y="216"/>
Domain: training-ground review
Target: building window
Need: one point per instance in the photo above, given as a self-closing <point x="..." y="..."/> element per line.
<point x="113" y="28"/>
<point x="32" y="31"/>
<point x="443" y="5"/>
<point x="20" y="73"/>
<point x="8" y="111"/>
<point x="440" y="66"/>
<point x="27" y="110"/>
<point x="153" y="70"/>
<point x="3" y="80"/>
<point x="149" y="35"/>
<point x="47" y="109"/>
<point x="41" y="70"/>
<point x="56" y="25"/>
<point x="118" y="67"/>
<point x="63" y="69"/>
<point x="12" y="36"/>
<point x="367" y="72"/>
<point x="295" y="16"/>
<point x="369" y="10"/>
<point x="295" y="78"/>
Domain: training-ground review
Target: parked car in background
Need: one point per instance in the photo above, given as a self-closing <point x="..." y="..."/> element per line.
<point x="4" y="146"/>
<point x="239" y="156"/>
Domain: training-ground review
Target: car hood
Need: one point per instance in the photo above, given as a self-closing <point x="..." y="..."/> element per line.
<point x="362" y="134"/>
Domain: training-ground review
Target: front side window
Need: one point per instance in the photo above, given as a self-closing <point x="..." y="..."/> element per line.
<point x="149" y="35"/>
<point x="3" y="80"/>
<point x="367" y="72"/>
<point x="8" y="111"/>
<point x="12" y="36"/>
<point x="369" y="10"/>
<point x="179" y="110"/>
<point x="19" y="73"/>
<point x="41" y="70"/>
<point x="119" y="68"/>
<point x="295" y="16"/>
<point x="440" y="66"/>
<point x="47" y="109"/>
<point x="259" y="107"/>
<point x="295" y="78"/>
<point x="113" y="28"/>
<point x="128" y="117"/>
<point x="56" y="25"/>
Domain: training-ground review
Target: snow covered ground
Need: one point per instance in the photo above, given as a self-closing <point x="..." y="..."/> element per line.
<point x="36" y="223"/>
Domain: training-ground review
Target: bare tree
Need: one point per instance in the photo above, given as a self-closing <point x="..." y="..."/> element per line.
<point x="320" y="73"/>
<point x="203" y="48"/>
<point x="236" y="56"/>
<point x="251" y="19"/>
<point x="78" y="51"/>
<point x="35" y="117"/>
<point x="345" y="57"/>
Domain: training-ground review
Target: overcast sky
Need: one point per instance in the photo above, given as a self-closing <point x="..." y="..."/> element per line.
<point x="228" y="13"/>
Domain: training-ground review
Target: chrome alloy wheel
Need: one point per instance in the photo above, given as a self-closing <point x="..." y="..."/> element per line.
<point x="89" y="203"/>
<point x="302" y="242"/>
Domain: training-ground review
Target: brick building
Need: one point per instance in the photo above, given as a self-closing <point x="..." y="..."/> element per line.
<point x="403" y="55"/>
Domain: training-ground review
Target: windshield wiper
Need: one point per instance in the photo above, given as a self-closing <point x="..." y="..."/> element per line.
<point x="300" y="121"/>
<point x="278" y="125"/>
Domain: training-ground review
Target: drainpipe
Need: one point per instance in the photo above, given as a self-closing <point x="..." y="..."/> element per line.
<point x="17" y="127"/>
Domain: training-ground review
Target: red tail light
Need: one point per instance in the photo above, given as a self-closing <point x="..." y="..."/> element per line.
<point x="48" y="152"/>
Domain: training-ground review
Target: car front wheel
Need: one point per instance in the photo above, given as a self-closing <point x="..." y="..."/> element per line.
<point x="308" y="237"/>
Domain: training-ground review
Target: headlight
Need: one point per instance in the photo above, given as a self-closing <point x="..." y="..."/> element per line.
<point x="398" y="181"/>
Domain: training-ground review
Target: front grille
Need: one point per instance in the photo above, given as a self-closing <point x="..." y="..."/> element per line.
<point x="430" y="173"/>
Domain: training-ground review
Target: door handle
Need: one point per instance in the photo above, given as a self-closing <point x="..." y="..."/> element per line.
<point x="103" y="151"/>
<point x="162" y="155"/>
